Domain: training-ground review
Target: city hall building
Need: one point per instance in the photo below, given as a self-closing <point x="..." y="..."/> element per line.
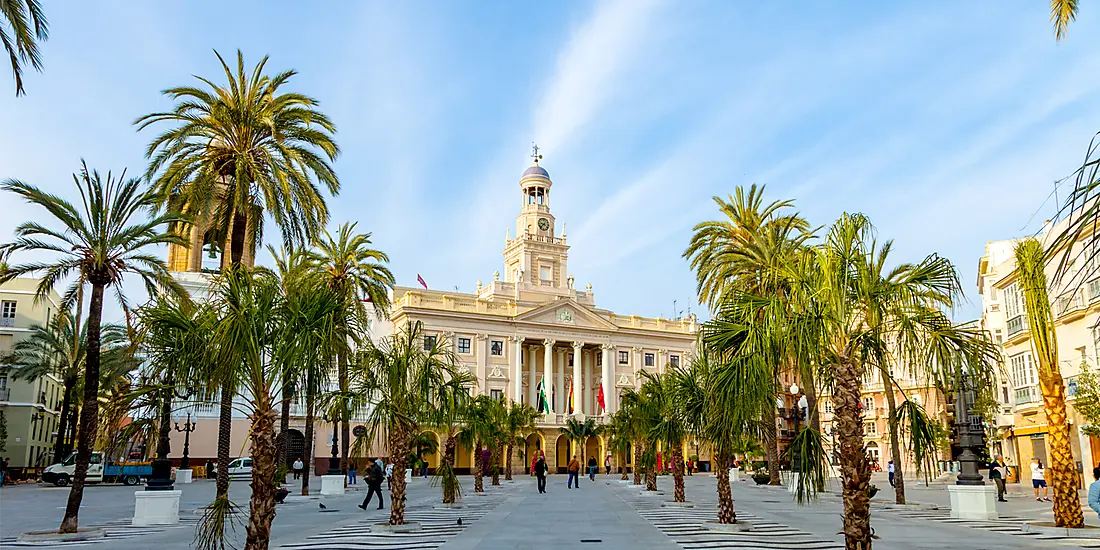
<point x="531" y="324"/>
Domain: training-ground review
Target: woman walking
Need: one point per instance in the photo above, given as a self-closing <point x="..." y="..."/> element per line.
<point x="1038" y="479"/>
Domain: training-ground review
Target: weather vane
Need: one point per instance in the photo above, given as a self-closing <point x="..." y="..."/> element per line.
<point x="535" y="152"/>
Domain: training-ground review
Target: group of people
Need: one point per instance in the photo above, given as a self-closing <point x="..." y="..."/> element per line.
<point x="539" y="469"/>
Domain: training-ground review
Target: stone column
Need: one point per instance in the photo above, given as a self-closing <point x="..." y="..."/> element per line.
<point x="636" y="358"/>
<point x="532" y="377"/>
<point x="608" y="385"/>
<point x="482" y="361"/>
<point x="517" y="369"/>
<point x="548" y="371"/>
<point x="662" y="359"/>
<point x="559" y="388"/>
<point x="589" y="405"/>
<point x="578" y="378"/>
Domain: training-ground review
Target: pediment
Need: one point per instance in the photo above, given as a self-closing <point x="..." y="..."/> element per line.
<point x="566" y="313"/>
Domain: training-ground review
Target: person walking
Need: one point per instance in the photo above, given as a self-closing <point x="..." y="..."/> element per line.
<point x="374" y="485"/>
<point x="607" y="464"/>
<point x="351" y="474"/>
<point x="1038" y="479"/>
<point x="539" y="469"/>
<point x="593" y="467"/>
<point x="1094" y="491"/>
<point x="574" y="474"/>
<point x="998" y="472"/>
<point x="4" y="470"/>
<point x="297" y="467"/>
<point x="890" y="471"/>
<point x="389" y="475"/>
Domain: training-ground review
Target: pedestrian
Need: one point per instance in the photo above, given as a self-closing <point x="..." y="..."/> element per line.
<point x="1038" y="479"/>
<point x="998" y="472"/>
<point x="890" y="471"/>
<point x="4" y="470"/>
<point x="593" y="467"/>
<point x="351" y="473"/>
<point x="1094" y="491"/>
<point x="374" y="485"/>
<point x="389" y="475"/>
<point x="424" y="469"/>
<point x="574" y="474"/>
<point x="607" y="464"/>
<point x="539" y="469"/>
<point x="298" y="466"/>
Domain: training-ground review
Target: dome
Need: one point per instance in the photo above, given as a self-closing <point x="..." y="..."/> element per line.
<point x="536" y="171"/>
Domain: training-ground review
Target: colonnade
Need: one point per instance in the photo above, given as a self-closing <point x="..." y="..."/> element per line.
<point x="587" y="358"/>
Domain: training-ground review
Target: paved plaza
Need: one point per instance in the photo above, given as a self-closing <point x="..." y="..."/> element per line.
<point x="606" y="514"/>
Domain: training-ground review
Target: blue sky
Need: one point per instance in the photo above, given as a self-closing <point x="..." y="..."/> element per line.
<point x="946" y="123"/>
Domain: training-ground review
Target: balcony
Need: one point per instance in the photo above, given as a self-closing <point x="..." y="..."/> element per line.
<point x="1016" y="325"/>
<point x="1092" y="289"/>
<point x="7" y="321"/>
<point x="5" y="394"/>
<point x="1026" y="395"/>
<point x="1067" y="304"/>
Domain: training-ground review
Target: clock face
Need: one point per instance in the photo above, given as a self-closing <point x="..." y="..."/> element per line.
<point x="544" y="224"/>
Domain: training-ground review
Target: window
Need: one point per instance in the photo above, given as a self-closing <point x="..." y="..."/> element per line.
<point x="1023" y="371"/>
<point x="7" y="309"/>
<point x="464" y="345"/>
<point x="828" y="407"/>
<point x="599" y="359"/>
<point x="496" y="347"/>
<point x="869" y="403"/>
<point x="870" y="428"/>
<point x="545" y="273"/>
<point x="995" y="307"/>
<point x="496" y="395"/>
<point x="997" y="336"/>
<point x="674" y="359"/>
<point x="624" y="357"/>
<point x="1012" y="304"/>
<point x="649" y="360"/>
<point x="429" y="342"/>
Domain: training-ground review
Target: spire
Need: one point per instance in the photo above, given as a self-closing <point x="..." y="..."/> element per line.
<point x="535" y="153"/>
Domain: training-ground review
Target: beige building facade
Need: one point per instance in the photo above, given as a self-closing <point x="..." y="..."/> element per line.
<point x="532" y="328"/>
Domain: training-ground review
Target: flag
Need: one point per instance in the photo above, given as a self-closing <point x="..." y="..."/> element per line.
<point x="570" y="396"/>
<point x="599" y="398"/>
<point x="544" y="406"/>
<point x="420" y="280"/>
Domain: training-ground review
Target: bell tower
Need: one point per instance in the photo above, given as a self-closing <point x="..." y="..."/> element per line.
<point x="536" y="255"/>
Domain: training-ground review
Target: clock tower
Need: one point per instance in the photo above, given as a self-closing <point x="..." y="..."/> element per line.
<point x="536" y="255"/>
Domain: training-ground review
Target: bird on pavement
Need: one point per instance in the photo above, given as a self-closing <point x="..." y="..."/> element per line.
<point x="460" y="521"/>
<point x="323" y="507"/>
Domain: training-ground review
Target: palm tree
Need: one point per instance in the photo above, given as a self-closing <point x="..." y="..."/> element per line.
<point x="477" y="429"/>
<point x="1030" y="265"/>
<point x="498" y="414"/>
<point x="22" y="26"/>
<point x="1062" y="13"/>
<point x="107" y="237"/>
<point x="446" y="417"/>
<point x="49" y="350"/>
<point x="404" y="386"/>
<point x="240" y="151"/>
<point x="670" y="427"/>
<point x="618" y="441"/>
<point x="519" y="421"/>
<point x="355" y="272"/>
<point x="578" y="432"/>
<point x="641" y="415"/>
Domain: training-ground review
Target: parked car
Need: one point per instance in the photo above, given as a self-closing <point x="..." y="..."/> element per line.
<point x="241" y="467"/>
<point x="127" y="473"/>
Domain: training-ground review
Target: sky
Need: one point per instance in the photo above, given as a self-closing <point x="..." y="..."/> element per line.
<point x="947" y="123"/>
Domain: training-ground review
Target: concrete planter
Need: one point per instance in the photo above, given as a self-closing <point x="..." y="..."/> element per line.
<point x="54" y="536"/>
<point x="736" y="527"/>
<point x="183" y="476"/>
<point x="1047" y="528"/>
<point x="156" y="508"/>
<point x="332" y="485"/>
<point x="973" y="501"/>
<point x="410" y="527"/>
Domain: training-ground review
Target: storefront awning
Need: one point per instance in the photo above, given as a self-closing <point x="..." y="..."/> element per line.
<point x="1028" y="430"/>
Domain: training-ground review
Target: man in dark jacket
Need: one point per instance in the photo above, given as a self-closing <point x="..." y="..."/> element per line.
<point x="374" y="480"/>
<point x="997" y="472"/>
<point x="540" y="474"/>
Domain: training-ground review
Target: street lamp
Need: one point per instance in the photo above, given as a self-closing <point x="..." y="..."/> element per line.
<point x="334" y="461"/>
<point x="188" y="427"/>
<point x="797" y="415"/>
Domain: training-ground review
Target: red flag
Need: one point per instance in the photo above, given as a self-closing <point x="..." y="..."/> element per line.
<point x="599" y="398"/>
<point x="420" y="280"/>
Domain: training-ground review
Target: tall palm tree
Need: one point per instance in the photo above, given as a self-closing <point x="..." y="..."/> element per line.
<point x="355" y="272"/>
<point x="1062" y="13"/>
<point x="579" y="432"/>
<point x="446" y="417"/>
<point x="403" y="384"/>
<point x="107" y="236"/>
<point x="239" y="151"/>
<point x="619" y="442"/>
<point x="642" y="414"/>
<point x="477" y="429"/>
<point x="498" y="414"/>
<point x="670" y="428"/>
<point x="519" y="421"/>
<point x="49" y="350"/>
<point x="22" y="26"/>
<point x="1031" y="261"/>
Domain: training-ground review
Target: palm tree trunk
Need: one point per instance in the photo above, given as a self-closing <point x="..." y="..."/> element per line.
<point x="264" y="454"/>
<point x="345" y="430"/>
<point x="854" y="467"/>
<point x="1062" y="473"/>
<point x="771" y="445"/>
<point x="90" y="413"/>
<point x="651" y="479"/>
<point x="227" y="247"/>
<point x="678" y="474"/>
<point x="399" y="453"/>
<point x="726" y="512"/>
<point x="308" y="452"/>
<point x="479" y="486"/>
<point x="63" y="420"/>
<point x="284" y="423"/>
<point x="622" y="466"/>
<point x="508" y="464"/>
<point x="895" y="445"/>
<point x="638" y="462"/>
<point x="225" y="430"/>
<point x="494" y="461"/>
<point x="449" y="450"/>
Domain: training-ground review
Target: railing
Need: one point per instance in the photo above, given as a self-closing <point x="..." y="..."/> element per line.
<point x="1092" y="289"/>
<point x="1016" y="325"/>
<point x="5" y="394"/>
<point x="1069" y="303"/>
<point x="1026" y="395"/>
<point x="7" y="321"/>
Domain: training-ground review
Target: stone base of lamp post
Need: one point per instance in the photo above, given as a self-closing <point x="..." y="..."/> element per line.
<point x="183" y="475"/>
<point x="156" y="508"/>
<point x="973" y="501"/>
<point x="733" y="474"/>
<point x="792" y="482"/>
<point x="332" y="485"/>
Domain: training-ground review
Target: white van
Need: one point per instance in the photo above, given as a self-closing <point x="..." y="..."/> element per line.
<point x="241" y="468"/>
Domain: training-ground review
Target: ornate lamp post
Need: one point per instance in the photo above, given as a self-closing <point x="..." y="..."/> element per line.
<point x="188" y="427"/>
<point x="334" y="461"/>
<point x="797" y="415"/>
<point x="970" y="434"/>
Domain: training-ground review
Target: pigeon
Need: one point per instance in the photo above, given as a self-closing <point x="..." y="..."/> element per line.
<point x="322" y="505"/>
<point x="460" y="521"/>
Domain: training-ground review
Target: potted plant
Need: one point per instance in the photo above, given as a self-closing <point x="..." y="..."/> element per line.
<point x="761" y="477"/>
<point x="872" y="490"/>
<point x="280" y="483"/>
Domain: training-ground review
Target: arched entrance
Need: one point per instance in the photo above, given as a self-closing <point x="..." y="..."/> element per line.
<point x="874" y="455"/>
<point x="297" y="446"/>
<point x="592" y="449"/>
<point x="429" y="450"/>
<point x="563" y="452"/>
<point x="531" y="448"/>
